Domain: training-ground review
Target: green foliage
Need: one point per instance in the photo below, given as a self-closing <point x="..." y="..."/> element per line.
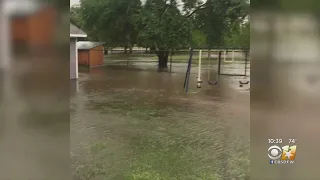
<point x="198" y="38"/>
<point x="245" y="36"/>
<point x="163" y="26"/>
<point x="112" y="21"/>
<point x="216" y="18"/>
<point x="159" y="23"/>
<point x="239" y="36"/>
<point x="75" y="16"/>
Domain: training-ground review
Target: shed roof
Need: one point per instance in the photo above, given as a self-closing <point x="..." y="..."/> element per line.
<point x="76" y="32"/>
<point x="86" y="45"/>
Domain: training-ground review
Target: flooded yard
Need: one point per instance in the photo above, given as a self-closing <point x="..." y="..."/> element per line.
<point x="138" y="124"/>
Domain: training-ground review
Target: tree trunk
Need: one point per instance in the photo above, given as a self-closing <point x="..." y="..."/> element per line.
<point x="152" y="50"/>
<point x="130" y="50"/>
<point x="163" y="60"/>
<point x="125" y="50"/>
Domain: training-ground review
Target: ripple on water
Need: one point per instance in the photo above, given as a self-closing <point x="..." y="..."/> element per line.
<point x="145" y="126"/>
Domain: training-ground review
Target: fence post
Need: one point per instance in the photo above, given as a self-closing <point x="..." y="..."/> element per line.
<point x="219" y="63"/>
<point x="127" y="55"/>
<point x="246" y="63"/>
<point x="171" y="60"/>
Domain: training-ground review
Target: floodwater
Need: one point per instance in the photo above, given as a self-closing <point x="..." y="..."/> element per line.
<point x="138" y="124"/>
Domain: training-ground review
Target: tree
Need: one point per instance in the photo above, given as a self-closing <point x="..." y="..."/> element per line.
<point x="239" y="36"/>
<point x="163" y="28"/>
<point x="90" y="11"/>
<point x="112" y="21"/>
<point x="75" y="16"/>
<point x="215" y="17"/>
<point x="198" y="38"/>
<point x="244" y="36"/>
<point x="161" y="25"/>
<point x="120" y="19"/>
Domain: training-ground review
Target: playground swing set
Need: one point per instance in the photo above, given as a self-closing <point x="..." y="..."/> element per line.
<point x="216" y="81"/>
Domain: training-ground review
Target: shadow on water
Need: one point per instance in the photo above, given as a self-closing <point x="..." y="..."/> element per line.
<point x="139" y="124"/>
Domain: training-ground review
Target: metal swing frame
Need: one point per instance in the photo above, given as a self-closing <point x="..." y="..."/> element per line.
<point x="225" y="55"/>
<point x="246" y="62"/>
<point x="187" y="77"/>
<point x="219" y="70"/>
<point x="245" y="70"/>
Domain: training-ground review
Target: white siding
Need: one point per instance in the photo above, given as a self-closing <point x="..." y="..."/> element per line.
<point x="73" y="58"/>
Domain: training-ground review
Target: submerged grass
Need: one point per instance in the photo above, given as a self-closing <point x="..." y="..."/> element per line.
<point x="125" y="108"/>
<point x="167" y="150"/>
<point x="154" y="163"/>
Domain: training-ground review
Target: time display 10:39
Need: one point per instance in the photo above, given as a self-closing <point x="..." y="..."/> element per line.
<point x="275" y="141"/>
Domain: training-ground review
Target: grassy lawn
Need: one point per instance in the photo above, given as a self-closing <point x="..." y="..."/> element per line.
<point x="179" y="58"/>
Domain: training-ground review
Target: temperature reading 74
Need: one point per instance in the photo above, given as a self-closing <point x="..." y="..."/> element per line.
<point x="292" y="140"/>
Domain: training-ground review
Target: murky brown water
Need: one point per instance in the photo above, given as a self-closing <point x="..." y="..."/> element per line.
<point x="139" y="124"/>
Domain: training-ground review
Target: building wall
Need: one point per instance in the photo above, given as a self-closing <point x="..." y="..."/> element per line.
<point x="97" y="56"/>
<point x="83" y="57"/>
<point x="73" y="58"/>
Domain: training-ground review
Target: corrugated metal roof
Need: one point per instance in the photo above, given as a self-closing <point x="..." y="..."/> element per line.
<point x="75" y="30"/>
<point x="85" y="45"/>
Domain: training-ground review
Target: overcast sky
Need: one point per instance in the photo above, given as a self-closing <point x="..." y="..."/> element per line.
<point x="73" y="2"/>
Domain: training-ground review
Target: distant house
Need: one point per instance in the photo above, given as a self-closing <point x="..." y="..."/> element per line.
<point x="90" y="53"/>
<point x="32" y="23"/>
<point x="75" y="33"/>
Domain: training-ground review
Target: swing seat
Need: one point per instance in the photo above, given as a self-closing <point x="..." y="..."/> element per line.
<point x="242" y="83"/>
<point x="213" y="83"/>
<point x="198" y="80"/>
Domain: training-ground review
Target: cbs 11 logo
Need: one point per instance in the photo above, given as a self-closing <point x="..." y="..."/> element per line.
<point x="284" y="153"/>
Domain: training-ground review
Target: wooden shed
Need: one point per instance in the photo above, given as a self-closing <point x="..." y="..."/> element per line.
<point x="90" y="53"/>
<point x="32" y="23"/>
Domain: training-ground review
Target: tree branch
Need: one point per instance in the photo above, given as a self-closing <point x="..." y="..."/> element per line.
<point x="244" y="16"/>
<point x="199" y="8"/>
